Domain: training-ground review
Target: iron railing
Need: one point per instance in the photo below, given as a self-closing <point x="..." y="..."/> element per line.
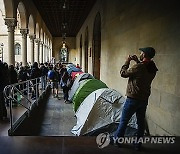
<point x="25" y="94"/>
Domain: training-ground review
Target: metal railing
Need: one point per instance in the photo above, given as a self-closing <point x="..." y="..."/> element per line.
<point x="25" y="94"/>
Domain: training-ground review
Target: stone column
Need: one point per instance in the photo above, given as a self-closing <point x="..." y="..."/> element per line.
<point x="37" y="40"/>
<point x="48" y="54"/>
<point x="44" y="55"/>
<point x="32" y="37"/>
<point x="41" y="52"/>
<point x="24" y="33"/>
<point x="11" y="24"/>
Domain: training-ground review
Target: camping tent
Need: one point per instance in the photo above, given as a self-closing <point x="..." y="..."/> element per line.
<point x="75" y="74"/>
<point x="73" y="69"/>
<point x="101" y="108"/>
<point x="77" y="82"/>
<point x="85" y="89"/>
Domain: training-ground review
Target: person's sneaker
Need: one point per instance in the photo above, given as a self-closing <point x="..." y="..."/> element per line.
<point x="66" y="101"/>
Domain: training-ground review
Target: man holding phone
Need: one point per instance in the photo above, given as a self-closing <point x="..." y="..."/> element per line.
<point x="138" y="90"/>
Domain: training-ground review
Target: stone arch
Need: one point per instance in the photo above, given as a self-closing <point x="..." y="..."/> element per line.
<point x="96" y="52"/>
<point x="48" y="41"/>
<point x="86" y="45"/>
<point x="44" y="34"/>
<point x="41" y="34"/>
<point x="10" y="12"/>
<point x="81" y="50"/>
<point x="37" y="30"/>
<point x="22" y="11"/>
<point x="31" y="25"/>
<point x="2" y="7"/>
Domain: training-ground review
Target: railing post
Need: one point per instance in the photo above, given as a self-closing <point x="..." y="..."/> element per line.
<point x="36" y="90"/>
<point x="11" y="113"/>
<point x="28" y="89"/>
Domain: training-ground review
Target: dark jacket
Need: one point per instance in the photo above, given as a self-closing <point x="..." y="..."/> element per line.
<point x="44" y="71"/>
<point x="13" y="76"/>
<point x="35" y="73"/>
<point x="140" y="78"/>
<point x="23" y="75"/>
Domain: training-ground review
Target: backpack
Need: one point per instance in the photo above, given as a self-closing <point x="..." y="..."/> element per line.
<point x="51" y="74"/>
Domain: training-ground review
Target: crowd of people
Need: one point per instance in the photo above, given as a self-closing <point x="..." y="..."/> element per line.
<point x="56" y="74"/>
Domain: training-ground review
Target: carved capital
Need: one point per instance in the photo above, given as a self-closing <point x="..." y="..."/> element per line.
<point x="37" y="41"/>
<point x="24" y="32"/>
<point x="32" y="37"/>
<point x="41" y="43"/>
<point x="11" y="24"/>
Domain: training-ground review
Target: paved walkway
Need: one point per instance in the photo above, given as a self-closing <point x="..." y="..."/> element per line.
<point x="58" y="118"/>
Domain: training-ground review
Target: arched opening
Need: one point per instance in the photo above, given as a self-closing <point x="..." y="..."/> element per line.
<point x="96" y="52"/>
<point x="41" y="35"/>
<point x="17" y="49"/>
<point x="81" y="51"/>
<point x="86" y="49"/>
<point x="17" y="52"/>
<point x="21" y="31"/>
<point x="31" y="25"/>
<point x="37" y="30"/>
<point x="22" y="12"/>
<point x="64" y="54"/>
<point x="2" y="9"/>
<point x="3" y="43"/>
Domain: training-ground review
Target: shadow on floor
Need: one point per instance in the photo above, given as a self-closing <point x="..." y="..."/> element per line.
<point x="31" y="126"/>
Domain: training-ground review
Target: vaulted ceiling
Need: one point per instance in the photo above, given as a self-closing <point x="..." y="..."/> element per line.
<point x="64" y="18"/>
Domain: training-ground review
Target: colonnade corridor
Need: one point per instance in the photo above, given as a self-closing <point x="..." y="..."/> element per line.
<point x="127" y="52"/>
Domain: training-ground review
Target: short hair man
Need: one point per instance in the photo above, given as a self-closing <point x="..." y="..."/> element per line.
<point x="138" y="90"/>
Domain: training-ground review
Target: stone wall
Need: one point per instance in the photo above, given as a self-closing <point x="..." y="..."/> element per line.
<point x="125" y="27"/>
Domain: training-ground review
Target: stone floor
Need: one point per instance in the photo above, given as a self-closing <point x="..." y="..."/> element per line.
<point x="76" y="145"/>
<point x="58" y="118"/>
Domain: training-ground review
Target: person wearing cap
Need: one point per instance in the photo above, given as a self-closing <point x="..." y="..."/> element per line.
<point x="140" y="77"/>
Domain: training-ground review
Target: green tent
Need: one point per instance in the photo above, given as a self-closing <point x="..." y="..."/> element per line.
<point x="85" y="89"/>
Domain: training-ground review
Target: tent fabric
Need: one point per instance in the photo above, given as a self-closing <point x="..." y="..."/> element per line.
<point x="77" y="82"/>
<point x="85" y="89"/>
<point x="101" y="108"/>
<point x="73" y="69"/>
<point x="75" y="74"/>
<point x="70" y="65"/>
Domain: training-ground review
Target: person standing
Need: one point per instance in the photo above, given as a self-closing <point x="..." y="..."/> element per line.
<point x="4" y="81"/>
<point x="64" y="85"/>
<point x="35" y="73"/>
<point x="138" y="90"/>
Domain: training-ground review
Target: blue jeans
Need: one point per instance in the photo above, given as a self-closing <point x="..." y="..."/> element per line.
<point x="132" y="106"/>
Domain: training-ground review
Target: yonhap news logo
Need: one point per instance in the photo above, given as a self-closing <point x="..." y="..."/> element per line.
<point x="103" y="140"/>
